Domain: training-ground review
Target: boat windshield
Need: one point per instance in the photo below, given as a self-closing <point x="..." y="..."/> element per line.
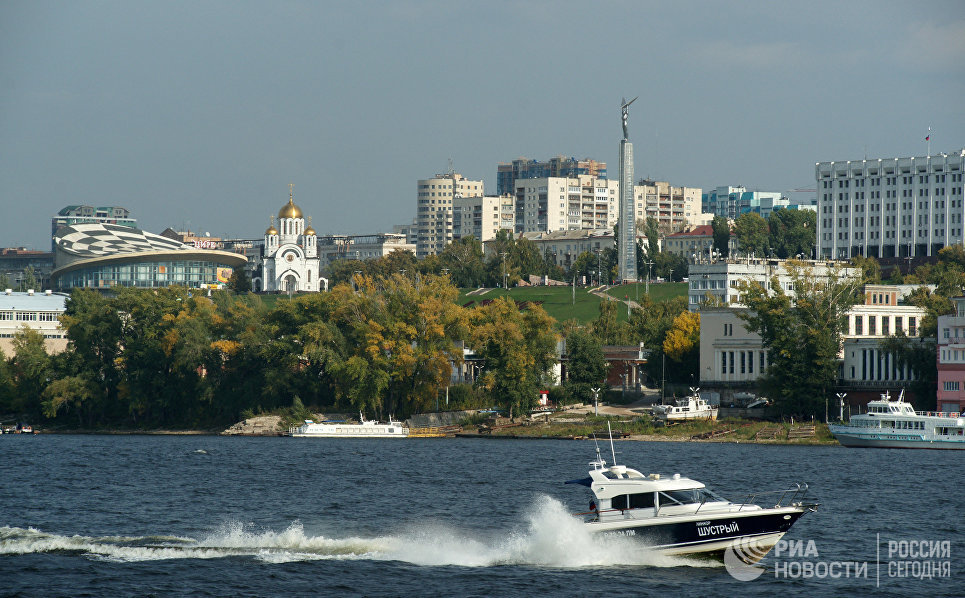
<point x="689" y="496"/>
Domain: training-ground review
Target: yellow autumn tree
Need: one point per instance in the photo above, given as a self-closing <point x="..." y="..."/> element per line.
<point x="683" y="338"/>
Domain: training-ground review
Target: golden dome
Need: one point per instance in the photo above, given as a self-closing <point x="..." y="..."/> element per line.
<point x="310" y="231"/>
<point x="271" y="230"/>
<point x="290" y="210"/>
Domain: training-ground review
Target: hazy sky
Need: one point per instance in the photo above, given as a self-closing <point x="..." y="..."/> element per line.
<point x="201" y="113"/>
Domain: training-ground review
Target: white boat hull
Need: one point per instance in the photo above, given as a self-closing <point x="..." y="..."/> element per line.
<point x="881" y="439"/>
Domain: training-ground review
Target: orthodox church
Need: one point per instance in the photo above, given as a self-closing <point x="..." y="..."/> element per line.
<point x="289" y="257"/>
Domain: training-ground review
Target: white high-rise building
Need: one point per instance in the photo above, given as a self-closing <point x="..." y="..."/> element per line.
<point x="572" y="203"/>
<point x="483" y="217"/>
<point x="890" y="207"/>
<point x="434" y="205"/>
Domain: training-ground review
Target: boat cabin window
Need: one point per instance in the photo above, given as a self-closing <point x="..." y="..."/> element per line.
<point x="642" y="500"/>
<point x="687" y="497"/>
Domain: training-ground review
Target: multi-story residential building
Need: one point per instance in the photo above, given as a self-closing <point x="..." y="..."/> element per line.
<point x="720" y="278"/>
<point x="730" y="354"/>
<point x="951" y="359"/>
<point x="673" y="207"/>
<point x="578" y="203"/>
<point x="90" y="215"/>
<point x="890" y="207"/>
<point x="332" y="248"/>
<point x="434" y="204"/>
<point x="483" y="217"/>
<point x="559" y="167"/>
<point x="732" y="202"/>
<point x="31" y="309"/>
<point x="565" y="246"/>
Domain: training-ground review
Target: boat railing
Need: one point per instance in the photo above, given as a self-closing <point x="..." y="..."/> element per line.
<point x="950" y="414"/>
<point x="794" y="494"/>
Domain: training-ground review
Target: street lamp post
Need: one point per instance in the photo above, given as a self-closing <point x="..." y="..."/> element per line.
<point x="596" y="403"/>
<point x="841" y="396"/>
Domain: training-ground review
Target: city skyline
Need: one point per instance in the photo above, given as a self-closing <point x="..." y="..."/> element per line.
<point x="201" y="115"/>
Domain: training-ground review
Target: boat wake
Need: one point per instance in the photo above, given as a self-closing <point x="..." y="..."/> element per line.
<point x="550" y="538"/>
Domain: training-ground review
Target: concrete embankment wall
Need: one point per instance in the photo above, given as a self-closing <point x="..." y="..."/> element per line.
<point x="431" y="420"/>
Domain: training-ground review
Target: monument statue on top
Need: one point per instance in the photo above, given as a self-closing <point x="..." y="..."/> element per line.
<point x="625" y="107"/>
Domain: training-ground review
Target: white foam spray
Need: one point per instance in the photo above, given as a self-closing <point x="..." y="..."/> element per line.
<point x="548" y="537"/>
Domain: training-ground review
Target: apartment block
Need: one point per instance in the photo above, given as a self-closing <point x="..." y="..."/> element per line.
<point x="581" y="203"/>
<point x="559" y="167"/>
<point x="434" y="209"/>
<point x="673" y="207"/>
<point x="483" y="217"/>
<point x="951" y="359"/>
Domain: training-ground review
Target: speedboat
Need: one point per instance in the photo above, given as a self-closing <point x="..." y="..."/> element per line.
<point x="896" y="424"/>
<point x="676" y="515"/>
<point x="365" y="429"/>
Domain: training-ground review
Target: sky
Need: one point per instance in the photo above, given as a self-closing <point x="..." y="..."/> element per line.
<point x="199" y="114"/>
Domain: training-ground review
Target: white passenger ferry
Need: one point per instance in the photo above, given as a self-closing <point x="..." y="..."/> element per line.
<point x="693" y="407"/>
<point x="365" y="429"/>
<point x="895" y="424"/>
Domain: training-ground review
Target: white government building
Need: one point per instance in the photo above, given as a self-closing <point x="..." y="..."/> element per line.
<point x="890" y="207"/>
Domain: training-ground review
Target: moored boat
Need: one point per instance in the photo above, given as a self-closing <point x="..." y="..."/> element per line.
<point x="896" y="424"/>
<point x="365" y="429"/>
<point x="676" y="515"/>
<point x="692" y="407"/>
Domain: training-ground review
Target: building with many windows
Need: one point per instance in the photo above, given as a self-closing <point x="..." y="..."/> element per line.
<point x="673" y="207"/>
<point x="731" y="355"/>
<point x="15" y="261"/>
<point x="951" y="359"/>
<point x="559" y="167"/>
<point x="720" y="278"/>
<point x="434" y="209"/>
<point x="101" y="256"/>
<point x="332" y="248"/>
<point x="890" y="207"/>
<point x="39" y="311"/>
<point x="483" y="217"/>
<point x="733" y="202"/>
<point x="564" y="246"/>
<point x="555" y="203"/>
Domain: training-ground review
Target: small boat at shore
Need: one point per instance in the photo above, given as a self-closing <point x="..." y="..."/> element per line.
<point x="679" y="516"/>
<point x="365" y="429"/>
<point x="692" y="407"/>
<point x="896" y="424"/>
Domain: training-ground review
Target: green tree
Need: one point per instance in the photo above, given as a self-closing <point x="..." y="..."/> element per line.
<point x="31" y="368"/>
<point x="721" y="231"/>
<point x="465" y="261"/>
<point x="4" y="281"/>
<point x="586" y="366"/>
<point x="519" y="349"/>
<point x="681" y="345"/>
<point x="29" y="279"/>
<point x="802" y="335"/>
<point x="239" y="281"/>
<point x="870" y="269"/>
<point x="752" y="234"/>
<point x="651" y="230"/>
<point x="792" y="233"/>
<point x="605" y="327"/>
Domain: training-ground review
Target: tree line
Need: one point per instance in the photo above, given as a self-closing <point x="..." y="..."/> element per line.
<point x="383" y="344"/>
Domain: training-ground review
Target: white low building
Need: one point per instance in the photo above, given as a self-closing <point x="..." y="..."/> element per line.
<point x="39" y="311"/>
<point x="730" y="354"/>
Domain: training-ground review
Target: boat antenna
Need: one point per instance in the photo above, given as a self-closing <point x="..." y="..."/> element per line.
<point x="610" y="432"/>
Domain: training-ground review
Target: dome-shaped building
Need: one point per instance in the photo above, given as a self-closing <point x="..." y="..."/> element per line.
<point x="289" y="260"/>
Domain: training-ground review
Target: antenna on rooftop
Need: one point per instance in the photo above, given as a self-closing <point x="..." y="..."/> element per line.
<point x="450" y="171"/>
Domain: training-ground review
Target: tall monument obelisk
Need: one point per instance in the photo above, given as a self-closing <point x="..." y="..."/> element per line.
<point x="627" y="243"/>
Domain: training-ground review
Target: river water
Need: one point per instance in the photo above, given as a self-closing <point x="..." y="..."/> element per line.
<point x="206" y="515"/>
